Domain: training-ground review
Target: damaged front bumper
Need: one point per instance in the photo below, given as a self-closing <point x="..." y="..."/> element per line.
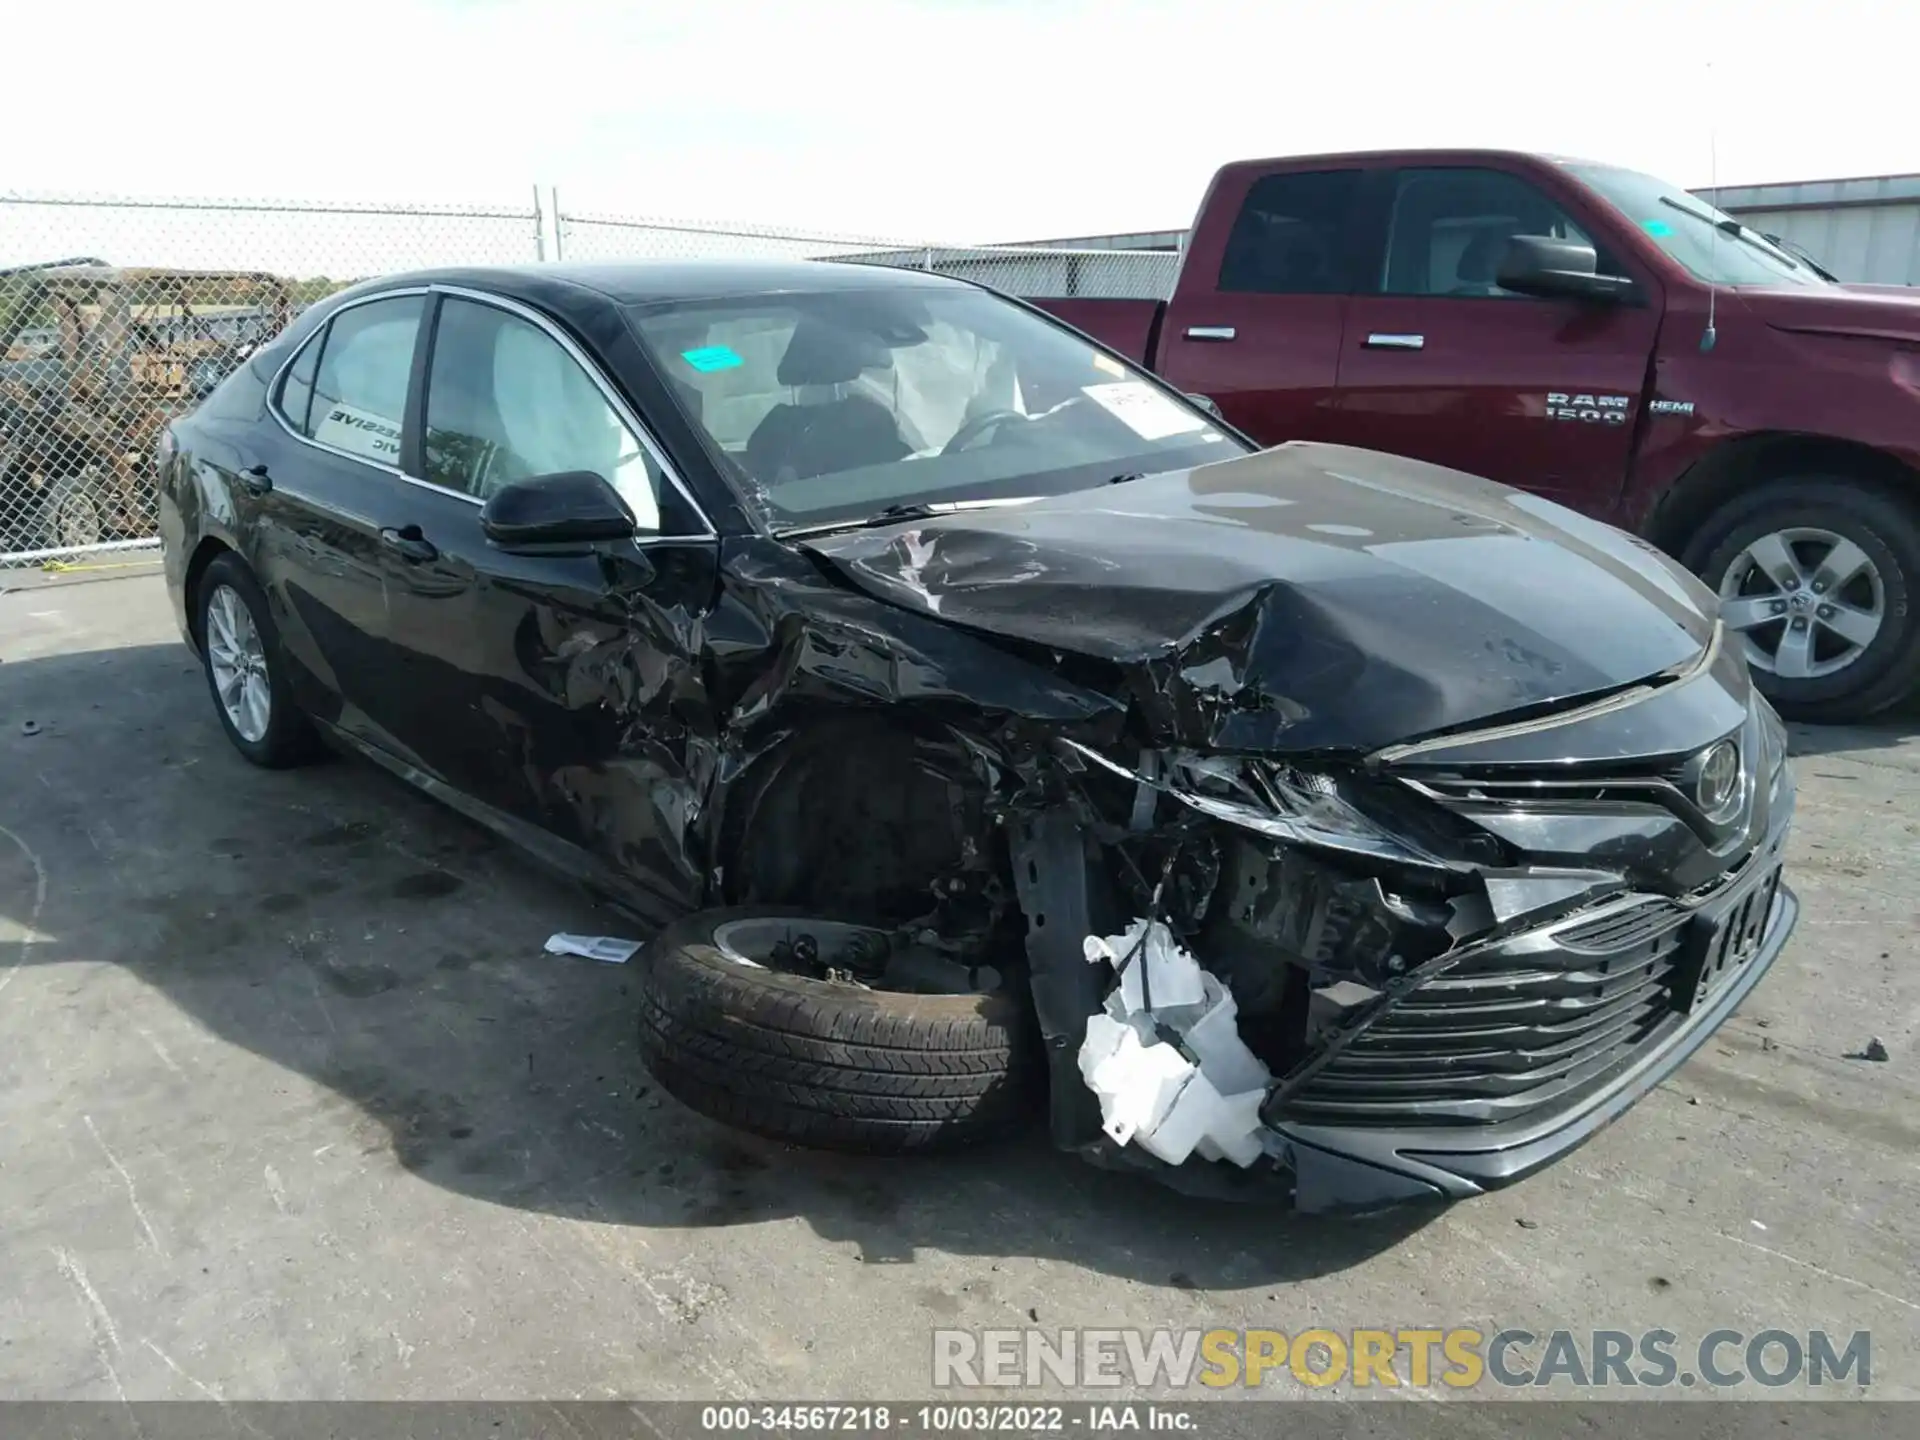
<point x="1447" y="995"/>
<point x="1341" y="1165"/>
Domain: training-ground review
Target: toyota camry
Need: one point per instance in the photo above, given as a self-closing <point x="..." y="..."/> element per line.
<point x="994" y="734"/>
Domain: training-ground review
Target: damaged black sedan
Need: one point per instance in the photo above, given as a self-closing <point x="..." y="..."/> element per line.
<point x="994" y="731"/>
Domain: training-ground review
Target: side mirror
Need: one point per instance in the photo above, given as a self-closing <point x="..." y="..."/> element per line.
<point x="1557" y="270"/>
<point x="561" y="511"/>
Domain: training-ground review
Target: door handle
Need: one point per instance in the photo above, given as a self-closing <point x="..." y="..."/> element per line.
<point x="1210" y="332"/>
<point x="1378" y="341"/>
<point x="255" y="480"/>
<point x="409" y="544"/>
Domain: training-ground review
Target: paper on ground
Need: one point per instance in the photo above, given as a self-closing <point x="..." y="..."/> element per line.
<point x="593" y="947"/>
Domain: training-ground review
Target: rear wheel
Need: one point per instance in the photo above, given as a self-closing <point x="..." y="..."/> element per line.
<point x="1817" y="579"/>
<point x="246" y="671"/>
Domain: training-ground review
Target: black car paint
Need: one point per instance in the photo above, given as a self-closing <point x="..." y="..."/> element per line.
<point x="1307" y="598"/>
<point x="604" y="706"/>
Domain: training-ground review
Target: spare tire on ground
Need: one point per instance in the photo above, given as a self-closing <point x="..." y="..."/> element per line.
<point x="827" y="1063"/>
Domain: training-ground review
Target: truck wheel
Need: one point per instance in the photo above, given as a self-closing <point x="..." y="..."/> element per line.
<point x="827" y="1064"/>
<point x="1817" y="576"/>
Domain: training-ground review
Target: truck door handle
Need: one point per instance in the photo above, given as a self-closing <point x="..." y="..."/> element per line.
<point x="1210" y="332"/>
<point x="409" y="543"/>
<point x="1379" y="341"/>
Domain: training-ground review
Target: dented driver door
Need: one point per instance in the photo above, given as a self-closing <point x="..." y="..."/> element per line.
<point x="558" y="691"/>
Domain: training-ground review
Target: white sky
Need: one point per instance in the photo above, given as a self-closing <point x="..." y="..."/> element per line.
<point x="960" y="120"/>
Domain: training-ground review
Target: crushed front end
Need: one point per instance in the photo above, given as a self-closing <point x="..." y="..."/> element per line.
<point x="1455" y="959"/>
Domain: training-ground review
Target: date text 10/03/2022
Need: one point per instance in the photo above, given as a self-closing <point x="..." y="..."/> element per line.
<point x="936" y="1419"/>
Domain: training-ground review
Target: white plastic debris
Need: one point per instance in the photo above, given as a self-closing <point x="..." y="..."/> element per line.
<point x="608" y="948"/>
<point x="1171" y="976"/>
<point x="1176" y="1079"/>
<point x="1137" y="1082"/>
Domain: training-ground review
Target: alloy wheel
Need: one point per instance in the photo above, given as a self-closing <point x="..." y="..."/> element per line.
<point x="1807" y="602"/>
<point x="238" y="659"/>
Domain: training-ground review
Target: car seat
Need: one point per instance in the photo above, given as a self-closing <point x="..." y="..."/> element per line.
<point x="825" y="434"/>
<point x="1479" y="263"/>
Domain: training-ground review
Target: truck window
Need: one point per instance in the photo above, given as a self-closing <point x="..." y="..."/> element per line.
<point x="1449" y="229"/>
<point x="1290" y="237"/>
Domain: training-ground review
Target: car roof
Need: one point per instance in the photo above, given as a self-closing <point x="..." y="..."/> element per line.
<point x="638" y="282"/>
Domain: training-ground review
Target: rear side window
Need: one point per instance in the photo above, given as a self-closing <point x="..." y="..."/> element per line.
<point x="1450" y="227"/>
<point x="360" y="385"/>
<point x="296" y="390"/>
<point x="1291" y="236"/>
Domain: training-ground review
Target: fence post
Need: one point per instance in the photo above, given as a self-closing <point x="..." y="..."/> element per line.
<point x="539" y="228"/>
<point x="559" y="230"/>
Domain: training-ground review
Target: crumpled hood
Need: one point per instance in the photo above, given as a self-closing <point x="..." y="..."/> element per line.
<point x="1307" y="597"/>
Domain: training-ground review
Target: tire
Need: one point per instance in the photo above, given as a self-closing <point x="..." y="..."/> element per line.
<point x="74" y="512"/>
<point x="287" y="737"/>
<point x="829" y="1066"/>
<point x="1869" y="677"/>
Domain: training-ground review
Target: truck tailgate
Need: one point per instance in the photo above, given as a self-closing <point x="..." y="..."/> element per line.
<point x="1130" y="326"/>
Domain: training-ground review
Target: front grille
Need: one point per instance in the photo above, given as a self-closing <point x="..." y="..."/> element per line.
<point x="1623" y="927"/>
<point x="1509" y="1032"/>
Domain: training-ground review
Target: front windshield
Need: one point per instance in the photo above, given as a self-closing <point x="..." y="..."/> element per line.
<point x="831" y="407"/>
<point x="1715" y="247"/>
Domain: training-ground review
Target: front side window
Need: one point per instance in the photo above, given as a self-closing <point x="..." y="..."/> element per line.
<point x="1450" y="228"/>
<point x="1291" y="235"/>
<point x="831" y="406"/>
<point x="360" y="387"/>
<point x="1715" y="247"/>
<point x="506" y="402"/>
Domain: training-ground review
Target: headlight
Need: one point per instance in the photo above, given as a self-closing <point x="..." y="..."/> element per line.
<point x="1269" y="798"/>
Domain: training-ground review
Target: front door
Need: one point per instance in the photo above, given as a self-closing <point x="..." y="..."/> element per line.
<point x="559" y="690"/>
<point x="1256" y="321"/>
<point x="1439" y="363"/>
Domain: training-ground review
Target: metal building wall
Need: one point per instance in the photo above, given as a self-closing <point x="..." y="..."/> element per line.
<point x="1865" y="231"/>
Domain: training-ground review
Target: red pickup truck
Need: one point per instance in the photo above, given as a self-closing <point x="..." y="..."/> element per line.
<point x="1597" y="336"/>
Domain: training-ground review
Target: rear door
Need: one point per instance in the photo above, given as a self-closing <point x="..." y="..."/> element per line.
<point x="1440" y="363"/>
<point x="1256" y="320"/>
<point x="320" y="497"/>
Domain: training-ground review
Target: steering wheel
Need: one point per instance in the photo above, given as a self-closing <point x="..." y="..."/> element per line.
<point x="977" y="428"/>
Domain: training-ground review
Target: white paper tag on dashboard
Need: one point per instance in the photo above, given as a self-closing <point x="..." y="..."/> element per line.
<point x="1143" y="409"/>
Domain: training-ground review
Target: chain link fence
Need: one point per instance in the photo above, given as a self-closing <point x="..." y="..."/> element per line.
<point x="117" y="315"/>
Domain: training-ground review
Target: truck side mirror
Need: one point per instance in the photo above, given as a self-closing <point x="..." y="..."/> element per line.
<point x="1557" y="270"/>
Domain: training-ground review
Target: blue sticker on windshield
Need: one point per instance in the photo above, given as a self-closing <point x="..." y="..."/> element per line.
<point x="1656" y="227"/>
<point x="711" y="357"/>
